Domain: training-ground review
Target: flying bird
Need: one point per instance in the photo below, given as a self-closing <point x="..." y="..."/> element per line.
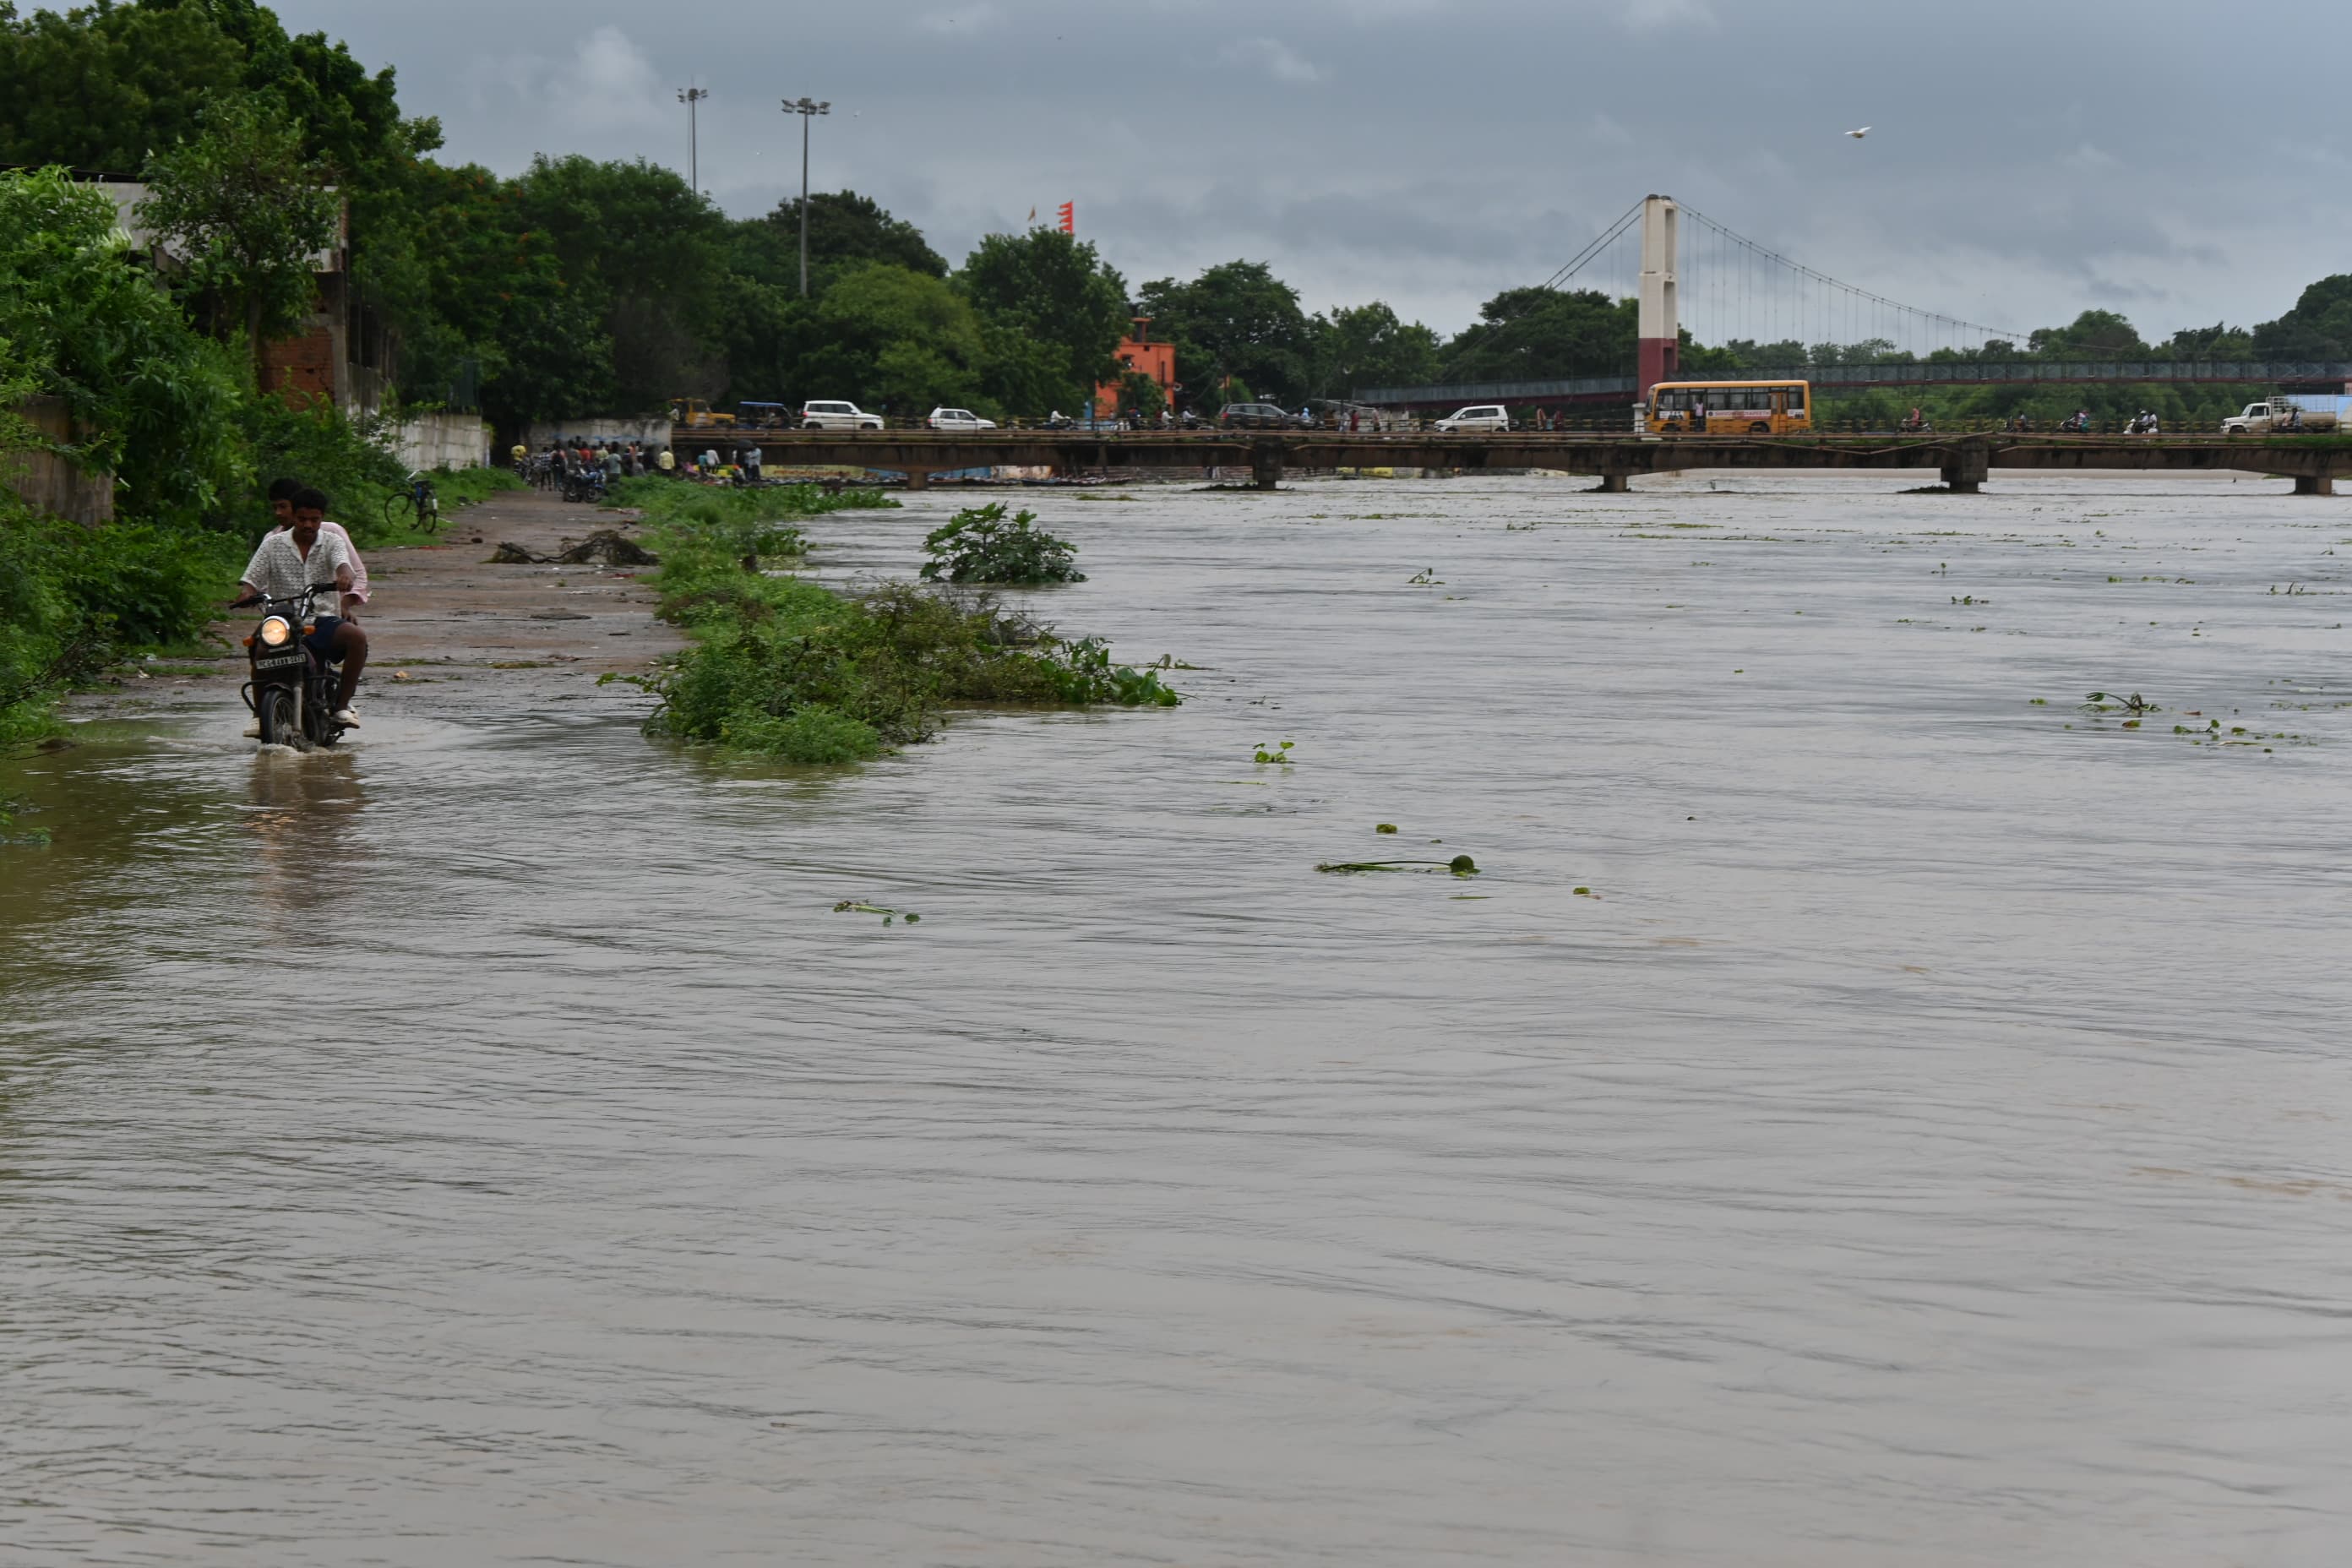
<point x="1858" y="135"/>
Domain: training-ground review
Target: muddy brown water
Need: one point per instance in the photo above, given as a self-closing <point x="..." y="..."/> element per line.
<point x="1926" y="1143"/>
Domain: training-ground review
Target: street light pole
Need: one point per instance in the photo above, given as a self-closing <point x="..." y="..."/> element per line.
<point x="805" y="108"/>
<point x="690" y="97"/>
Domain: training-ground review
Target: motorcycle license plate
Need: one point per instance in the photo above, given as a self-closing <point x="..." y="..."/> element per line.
<point x="278" y="660"/>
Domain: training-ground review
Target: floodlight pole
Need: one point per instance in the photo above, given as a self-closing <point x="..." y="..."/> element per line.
<point x="807" y="109"/>
<point x="691" y="96"/>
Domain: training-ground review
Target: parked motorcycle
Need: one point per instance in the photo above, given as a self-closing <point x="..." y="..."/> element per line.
<point x="292" y="691"/>
<point x="584" y="484"/>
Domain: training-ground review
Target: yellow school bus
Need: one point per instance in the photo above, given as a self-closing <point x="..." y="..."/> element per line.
<point x="1728" y="407"/>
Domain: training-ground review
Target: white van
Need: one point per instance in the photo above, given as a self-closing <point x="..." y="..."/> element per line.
<point x="837" y="416"/>
<point x="1479" y="417"/>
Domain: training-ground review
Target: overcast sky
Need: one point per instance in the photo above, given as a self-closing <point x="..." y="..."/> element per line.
<point x="2174" y="161"/>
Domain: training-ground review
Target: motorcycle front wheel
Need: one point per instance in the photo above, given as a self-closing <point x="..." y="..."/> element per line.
<point x="280" y="725"/>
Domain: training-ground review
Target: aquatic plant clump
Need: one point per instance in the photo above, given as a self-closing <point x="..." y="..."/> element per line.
<point x="786" y="667"/>
<point x="979" y="545"/>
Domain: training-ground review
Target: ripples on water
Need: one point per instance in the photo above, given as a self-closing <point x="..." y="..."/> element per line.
<point x="487" y="1145"/>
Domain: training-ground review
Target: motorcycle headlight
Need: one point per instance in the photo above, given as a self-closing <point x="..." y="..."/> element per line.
<point x="275" y="631"/>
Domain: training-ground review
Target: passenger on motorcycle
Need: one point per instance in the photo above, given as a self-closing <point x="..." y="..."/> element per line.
<point x="282" y="507"/>
<point x="292" y="561"/>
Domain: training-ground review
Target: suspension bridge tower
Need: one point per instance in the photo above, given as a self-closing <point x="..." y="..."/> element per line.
<point x="1658" y="320"/>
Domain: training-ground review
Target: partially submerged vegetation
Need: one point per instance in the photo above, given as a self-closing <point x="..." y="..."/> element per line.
<point x="977" y="544"/>
<point x="789" y="668"/>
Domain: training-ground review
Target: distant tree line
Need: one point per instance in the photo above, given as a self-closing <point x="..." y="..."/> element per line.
<point x="580" y="287"/>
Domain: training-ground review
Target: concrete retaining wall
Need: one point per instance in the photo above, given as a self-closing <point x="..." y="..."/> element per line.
<point x="652" y="435"/>
<point x="54" y="484"/>
<point x="442" y="441"/>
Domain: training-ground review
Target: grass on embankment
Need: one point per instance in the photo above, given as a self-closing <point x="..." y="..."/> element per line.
<point x="789" y="668"/>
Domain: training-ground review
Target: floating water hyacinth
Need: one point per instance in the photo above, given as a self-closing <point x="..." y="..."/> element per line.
<point x="1460" y="866"/>
<point x="852" y="906"/>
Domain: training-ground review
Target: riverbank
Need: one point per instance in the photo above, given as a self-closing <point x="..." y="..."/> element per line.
<point x="444" y="612"/>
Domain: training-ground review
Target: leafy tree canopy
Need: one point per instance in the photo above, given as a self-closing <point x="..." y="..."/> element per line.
<point x="1235" y="320"/>
<point x="1368" y="346"/>
<point x="893" y="340"/>
<point x="1534" y="333"/>
<point x="846" y="231"/>
<point x="151" y="401"/>
<point x="2093" y="335"/>
<point x="104" y="86"/>
<point x="248" y="216"/>
<point x="1057" y="293"/>
<point x="2319" y="327"/>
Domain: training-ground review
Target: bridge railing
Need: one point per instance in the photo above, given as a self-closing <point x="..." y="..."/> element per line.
<point x="1920" y="372"/>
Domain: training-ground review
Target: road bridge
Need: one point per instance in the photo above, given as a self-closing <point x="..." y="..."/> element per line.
<point x="1964" y="461"/>
<point x="1592" y="390"/>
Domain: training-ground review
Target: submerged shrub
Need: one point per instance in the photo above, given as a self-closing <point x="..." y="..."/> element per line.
<point x="786" y="667"/>
<point x="978" y="545"/>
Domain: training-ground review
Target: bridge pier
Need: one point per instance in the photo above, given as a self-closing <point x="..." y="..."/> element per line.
<point x="1968" y="468"/>
<point x="1266" y="465"/>
<point x="1615" y="484"/>
<point x="2315" y="485"/>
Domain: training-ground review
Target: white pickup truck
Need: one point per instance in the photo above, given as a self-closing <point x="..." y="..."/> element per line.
<point x="2281" y="416"/>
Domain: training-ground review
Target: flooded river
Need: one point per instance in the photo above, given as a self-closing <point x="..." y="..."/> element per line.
<point x="1869" y="1110"/>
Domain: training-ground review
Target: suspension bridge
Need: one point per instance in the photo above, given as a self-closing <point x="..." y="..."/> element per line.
<point x="1683" y="269"/>
<point x="1737" y="290"/>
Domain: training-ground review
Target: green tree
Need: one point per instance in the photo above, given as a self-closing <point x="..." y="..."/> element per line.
<point x="1368" y="345"/>
<point x="846" y="231"/>
<point x="1056" y="291"/>
<point x="893" y="340"/>
<point x="2093" y="335"/>
<point x="248" y="216"/>
<point x="647" y="256"/>
<point x="1539" y="334"/>
<point x="1235" y="319"/>
<point x="151" y="402"/>
<point x="2217" y="341"/>
<point x="2319" y="327"/>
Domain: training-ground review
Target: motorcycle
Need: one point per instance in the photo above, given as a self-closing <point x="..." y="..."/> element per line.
<point x="584" y="484"/>
<point x="292" y="691"/>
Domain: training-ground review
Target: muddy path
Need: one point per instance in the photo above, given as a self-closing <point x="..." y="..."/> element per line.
<point x="445" y="612"/>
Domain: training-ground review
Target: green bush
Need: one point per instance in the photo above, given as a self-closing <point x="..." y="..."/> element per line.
<point x="978" y="545"/>
<point x="72" y="598"/>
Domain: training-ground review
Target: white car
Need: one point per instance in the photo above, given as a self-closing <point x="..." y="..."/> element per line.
<point x="1479" y="417"/>
<point x="959" y="419"/>
<point x="837" y="416"/>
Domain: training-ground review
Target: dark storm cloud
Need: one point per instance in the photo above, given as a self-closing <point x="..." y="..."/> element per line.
<point x="2025" y="161"/>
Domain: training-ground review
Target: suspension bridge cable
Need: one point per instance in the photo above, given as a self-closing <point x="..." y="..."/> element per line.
<point x="1856" y="294"/>
<point x="1574" y="265"/>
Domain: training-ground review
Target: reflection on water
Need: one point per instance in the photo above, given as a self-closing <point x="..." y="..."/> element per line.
<point x="486" y="1145"/>
<point x="305" y="811"/>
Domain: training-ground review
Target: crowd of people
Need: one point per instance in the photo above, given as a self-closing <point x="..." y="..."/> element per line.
<point x="608" y="460"/>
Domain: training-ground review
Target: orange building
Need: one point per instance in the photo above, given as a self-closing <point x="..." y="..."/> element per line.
<point x="1138" y="354"/>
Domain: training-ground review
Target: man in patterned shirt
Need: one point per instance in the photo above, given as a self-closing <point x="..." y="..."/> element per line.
<point x="303" y="557"/>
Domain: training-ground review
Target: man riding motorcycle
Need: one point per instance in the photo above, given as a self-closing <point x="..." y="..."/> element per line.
<point x="302" y="557"/>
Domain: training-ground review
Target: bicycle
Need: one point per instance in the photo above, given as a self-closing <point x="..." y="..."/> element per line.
<point x="417" y="500"/>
